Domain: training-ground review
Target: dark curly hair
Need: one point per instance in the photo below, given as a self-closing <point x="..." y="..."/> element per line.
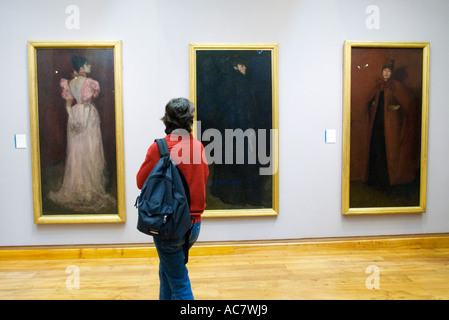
<point x="78" y="62"/>
<point x="179" y="114"/>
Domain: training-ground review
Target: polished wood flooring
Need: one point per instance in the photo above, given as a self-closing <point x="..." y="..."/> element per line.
<point x="372" y="268"/>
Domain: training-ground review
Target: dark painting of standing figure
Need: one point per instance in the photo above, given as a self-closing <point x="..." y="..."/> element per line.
<point x="75" y="103"/>
<point x="234" y="89"/>
<point x="386" y="121"/>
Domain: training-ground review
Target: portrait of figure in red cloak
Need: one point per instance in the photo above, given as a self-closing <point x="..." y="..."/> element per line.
<point x="386" y="115"/>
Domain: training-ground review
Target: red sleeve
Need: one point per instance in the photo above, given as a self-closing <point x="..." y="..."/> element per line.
<point x="151" y="160"/>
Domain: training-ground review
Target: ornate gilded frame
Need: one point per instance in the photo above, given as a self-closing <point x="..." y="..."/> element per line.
<point x="359" y="58"/>
<point x="212" y="50"/>
<point x="112" y="127"/>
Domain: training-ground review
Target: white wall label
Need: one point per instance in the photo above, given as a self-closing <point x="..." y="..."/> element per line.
<point x="330" y="136"/>
<point x="20" y="141"/>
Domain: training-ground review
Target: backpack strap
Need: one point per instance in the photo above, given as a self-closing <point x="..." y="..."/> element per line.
<point x="185" y="246"/>
<point x="164" y="152"/>
<point x="163" y="147"/>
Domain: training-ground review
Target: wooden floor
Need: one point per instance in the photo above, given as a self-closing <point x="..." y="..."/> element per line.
<point x="394" y="268"/>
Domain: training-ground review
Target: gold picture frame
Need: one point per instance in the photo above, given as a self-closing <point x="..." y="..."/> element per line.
<point x="236" y="189"/>
<point x="76" y="131"/>
<point x="384" y="167"/>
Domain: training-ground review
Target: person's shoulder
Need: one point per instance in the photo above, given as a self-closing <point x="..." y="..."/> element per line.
<point x="153" y="149"/>
<point x="195" y="141"/>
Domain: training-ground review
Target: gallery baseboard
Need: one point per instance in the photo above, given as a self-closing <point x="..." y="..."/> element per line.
<point x="147" y="250"/>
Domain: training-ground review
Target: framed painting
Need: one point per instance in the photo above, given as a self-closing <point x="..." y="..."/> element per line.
<point x="235" y="90"/>
<point x="76" y="131"/>
<point x="385" y="126"/>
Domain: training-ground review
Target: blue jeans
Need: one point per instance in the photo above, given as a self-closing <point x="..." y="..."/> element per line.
<point x="173" y="274"/>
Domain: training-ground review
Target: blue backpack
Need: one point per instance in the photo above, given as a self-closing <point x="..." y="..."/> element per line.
<point x="164" y="201"/>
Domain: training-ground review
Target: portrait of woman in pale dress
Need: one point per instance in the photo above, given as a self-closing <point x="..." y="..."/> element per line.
<point x="84" y="183"/>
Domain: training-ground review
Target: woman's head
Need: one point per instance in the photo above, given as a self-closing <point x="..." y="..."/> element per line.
<point x="387" y="70"/>
<point x="79" y="62"/>
<point x="179" y="114"/>
<point x="239" y="64"/>
<point x="386" y="73"/>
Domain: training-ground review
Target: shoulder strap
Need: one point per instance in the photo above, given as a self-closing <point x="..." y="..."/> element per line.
<point x="164" y="152"/>
<point x="163" y="147"/>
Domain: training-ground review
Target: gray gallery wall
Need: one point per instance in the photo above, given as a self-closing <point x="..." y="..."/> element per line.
<point x="156" y="35"/>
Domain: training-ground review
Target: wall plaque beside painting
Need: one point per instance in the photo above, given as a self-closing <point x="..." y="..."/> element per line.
<point x="76" y="129"/>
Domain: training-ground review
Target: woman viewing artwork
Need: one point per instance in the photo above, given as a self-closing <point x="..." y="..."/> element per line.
<point x="84" y="180"/>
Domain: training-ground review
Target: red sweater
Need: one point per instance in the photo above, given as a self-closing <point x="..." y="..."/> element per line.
<point x="192" y="164"/>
